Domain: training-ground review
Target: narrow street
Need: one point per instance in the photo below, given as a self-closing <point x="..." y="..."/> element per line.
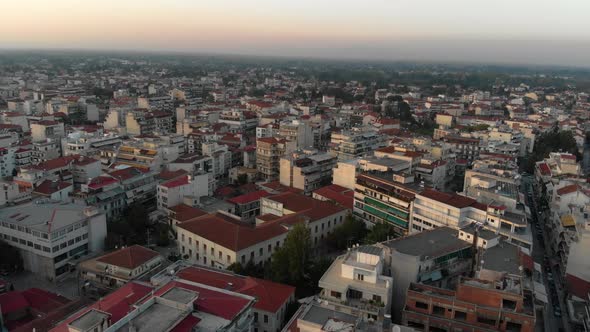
<point x="555" y="313"/>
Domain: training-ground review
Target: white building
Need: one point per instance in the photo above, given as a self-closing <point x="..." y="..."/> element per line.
<point x="50" y="235"/>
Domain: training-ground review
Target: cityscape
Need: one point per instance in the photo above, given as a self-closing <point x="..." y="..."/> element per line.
<point x="247" y="182"/>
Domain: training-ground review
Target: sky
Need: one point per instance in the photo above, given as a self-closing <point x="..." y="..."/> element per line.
<point x="498" y="31"/>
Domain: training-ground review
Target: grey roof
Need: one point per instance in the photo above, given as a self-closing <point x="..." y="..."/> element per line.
<point x="89" y="320"/>
<point x="502" y="258"/>
<point x="432" y="243"/>
<point x="320" y="315"/>
<point x="372" y="250"/>
<point x="482" y="233"/>
<point x="181" y="295"/>
<point x="43" y="217"/>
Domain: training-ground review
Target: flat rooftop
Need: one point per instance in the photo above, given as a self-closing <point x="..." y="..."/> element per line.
<point x="502" y="257"/>
<point x="156" y="318"/>
<point x="180" y="295"/>
<point x="43" y="217"/>
<point x="89" y="319"/>
<point x="321" y="315"/>
<point x="433" y="243"/>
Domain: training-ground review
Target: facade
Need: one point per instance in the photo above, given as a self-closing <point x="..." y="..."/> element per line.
<point x="247" y="206"/>
<point x="117" y="268"/>
<point x="437" y="257"/>
<point x="356" y="279"/>
<point x="269" y="152"/>
<point x="50" y="235"/>
<point x="384" y="198"/>
<point x="307" y="172"/>
<point x="475" y="305"/>
<point x="355" y="143"/>
<point x="47" y="129"/>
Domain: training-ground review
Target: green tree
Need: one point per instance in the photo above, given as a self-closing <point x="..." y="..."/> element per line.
<point x="242" y="179"/>
<point x="379" y="233"/>
<point x="351" y="231"/>
<point x="289" y="262"/>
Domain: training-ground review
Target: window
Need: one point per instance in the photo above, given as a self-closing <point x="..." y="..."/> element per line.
<point x="270" y="248"/>
<point x="335" y="294"/>
<point x="266" y="318"/>
<point x="255" y="317"/>
<point x="439" y="311"/>
<point x="228" y="259"/>
<point x="360" y="277"/>
<point x="212" y="252"/>
<point x="205" y="248"/>
<point x="421" y="305"/>
<point x="508" y="304"/>
<point x="260" y="252"/>
<point x="182" y="237"/>
<point x="460" y="315"/>
<point x="485" y="320"/>
<point x="220" y="255"/>
<point x="376" y="298"/>
<point x="190" y="240"/>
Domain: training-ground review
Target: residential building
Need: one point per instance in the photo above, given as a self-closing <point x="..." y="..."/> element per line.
<point x="307" y="172"/>
<point x="269" y="152"/>
<point x="47" y="129"/>
<point x="50" y="235"/>
<point x="247" y="206"/>
<point x="356" y="279"/>
<point x="437" y="257"/>
<point x="297" y="131"/>
<point x="173" y="192"/>
<point x="119" y="267"/>
<point x="475" y="305"/>
<point x="385" y="197"/>
<point x="355" y="143"/>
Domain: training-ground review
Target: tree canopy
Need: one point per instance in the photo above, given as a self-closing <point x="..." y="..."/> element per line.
<point x="290" y="261"/>
<point x="351" y="231"/>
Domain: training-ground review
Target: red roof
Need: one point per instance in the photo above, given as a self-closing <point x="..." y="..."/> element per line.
<point x="249" y="197"/>
<point x="454" y="200"/>
<point x="38" y="299"/>
<point x="213" y="302"/>
<point x="176" y="182"/>
<point x="117" y="304"/>
<point x="13" y="302"/>
<point x="129" y="258"/>
<point x="183" y="212"/>
<point x="310" y="207"/>
<point x="572" y="188"/>
<point x="101" y="181"/>
<point x="169" y="175"/>
<point x="49" y="187"/>
<point x="230" y="233"/>
<point x="271" y="296"/>
<point x="338" y="194"/>
<point x="544" y="168"/>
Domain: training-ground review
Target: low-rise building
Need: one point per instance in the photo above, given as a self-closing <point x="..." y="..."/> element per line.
<point x="117" y="268"/>
<point x="50" y="235"/>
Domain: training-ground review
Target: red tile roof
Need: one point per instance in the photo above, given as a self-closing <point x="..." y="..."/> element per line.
<point x="338" y="194"/>
<point x="117" y="304"/>
<point x="183" y="212"/>
<point x="270" y="296"/>
<point x="232" y="234"/>
<point x="49" y="187"/>
<point x="249" y="197"/>
<point x="544" y="168"/>
<point x="169" y="175"/>
<point x="176" y="182"/>
<point x="313" y="208"/>
<point x="454" y="200"/>
<point x="213" y="302"/>
<point x="572" y="188"/>
<point x="101" y="181"/>
<point x="129" y="258"/>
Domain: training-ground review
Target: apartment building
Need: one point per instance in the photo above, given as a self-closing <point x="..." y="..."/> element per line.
<point x="297" y="131"/>
<point x="269" y="151"/>
<point x="88" y="144"/>
<point x="239" y="120"/>
<point x="105" y="193"/>
<point x="433" y="209"/>
<point x="356" y="279"/>
<point x="349" y="144"/>
<point x="47" y="129"/>
<point x="247" y="206"/>
<point x="50" y="235"/>
<point x="138" y="184"/>
<point x="437" y="257"/>
<point x="464" y="147"/>
<point x="385" y="197"/>
<point x="173" y="192"/>
<point x="475" y="305"/>
<point x="307" y="172"/>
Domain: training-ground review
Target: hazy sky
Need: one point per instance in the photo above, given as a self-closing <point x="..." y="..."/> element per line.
<point x="521" y="31"/>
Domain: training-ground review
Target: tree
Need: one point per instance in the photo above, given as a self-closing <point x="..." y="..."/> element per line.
<point x="351" y="231"/>
<point x="242" y="179"/>
<point x="290" y="261"/>
<point x="379" y="233"/>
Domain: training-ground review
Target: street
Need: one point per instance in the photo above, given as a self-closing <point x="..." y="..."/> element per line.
<point x="555" y="313"/>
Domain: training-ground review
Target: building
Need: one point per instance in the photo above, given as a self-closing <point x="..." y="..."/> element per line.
<point x="173" y="192"/>
<point x="47" y="129"/>
<point x="433" y="209"/>
<point x="269" y="311"/>
<point x="247" y="206"/>
<point x="269" y="152"/>
<point x="307" y="172"/>
<point x="437" y="257"/>
<point x="138" y="184"/>
<point x="355" y="143"/>
<point x="356" y="279"/>
<point x="475" y="305"/>
<point x="117" y="268"/>
<point x="51" y="235"/>
<point x="297" y="131"/>
<point x="385" y="198"/>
